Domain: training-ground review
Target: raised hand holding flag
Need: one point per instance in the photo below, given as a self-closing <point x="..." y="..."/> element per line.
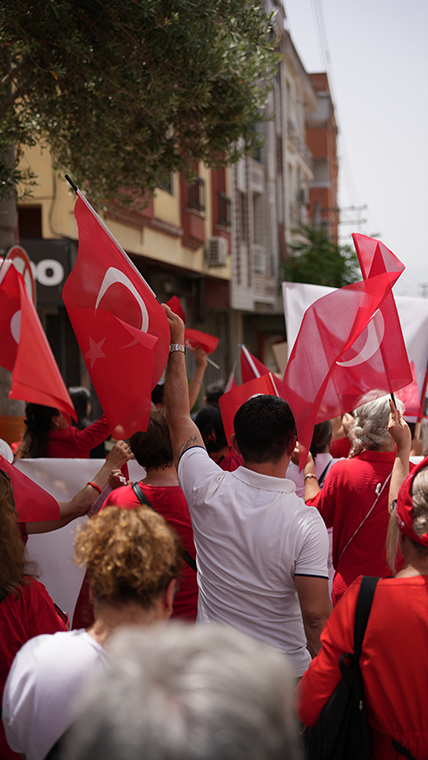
<point x="121" y="327"/>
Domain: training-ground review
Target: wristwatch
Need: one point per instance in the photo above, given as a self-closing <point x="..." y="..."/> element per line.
<point x="177" y="347"/>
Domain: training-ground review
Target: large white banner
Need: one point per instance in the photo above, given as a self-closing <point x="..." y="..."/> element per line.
<point x="53" y="551"/>
<point x="413" y="313"/>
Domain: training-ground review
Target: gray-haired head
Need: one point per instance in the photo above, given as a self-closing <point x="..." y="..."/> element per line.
<point x="188" y="693"/>
<point x="371" y="423"/>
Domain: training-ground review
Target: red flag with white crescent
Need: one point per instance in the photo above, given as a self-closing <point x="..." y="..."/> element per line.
<point x="350" y="342"/>
<point x="121" y="327"/>
<point x="24" y="348"/>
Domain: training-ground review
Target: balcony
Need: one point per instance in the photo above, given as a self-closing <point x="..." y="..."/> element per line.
<point x="299" y="144"/>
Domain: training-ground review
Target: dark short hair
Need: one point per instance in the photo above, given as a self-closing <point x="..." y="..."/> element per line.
<point x="158" y="393"/>
<point x="152" y="448"/>
<point x="210" y="424"/>
<point x="321" y="437"/>
<point x="213" y="393"/>
<point x="264" y="426"/>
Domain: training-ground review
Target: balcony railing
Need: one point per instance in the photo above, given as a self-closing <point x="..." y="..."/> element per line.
<point x="299" y="144"/>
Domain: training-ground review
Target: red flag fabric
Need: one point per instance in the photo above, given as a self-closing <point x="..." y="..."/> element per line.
<point x="252" y="367"/>
<point x="121" y="328"/>
<point x="33" y="504"/>
<point x="350" y="342"/>
<point x="231" y="401"/>
<point x="193" y="338"/>
<point x="24" y="348"/>
<point x="175" y="305"/>
<point x="410" y="395"/>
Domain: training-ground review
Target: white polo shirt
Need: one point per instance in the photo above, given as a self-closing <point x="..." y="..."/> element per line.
<point x="252" y="536"/>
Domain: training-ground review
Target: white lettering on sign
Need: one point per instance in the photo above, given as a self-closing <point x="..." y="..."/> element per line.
<point x="49" y="272"/>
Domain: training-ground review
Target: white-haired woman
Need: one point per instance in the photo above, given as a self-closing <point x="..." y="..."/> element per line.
<point x="354" y="498"/>
<point x="392" y="661"/>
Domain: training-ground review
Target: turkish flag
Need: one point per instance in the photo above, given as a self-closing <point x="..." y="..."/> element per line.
<point x="350" y="342"/>
<point x="121" y="327"/>
<point x="252" y="367"/>
<point x="24" y="348"/>
<point x="33" y="503"/>
<point x="193" y="338"/>
<point x="231" y="401"/>
<point x="175" y="306"/>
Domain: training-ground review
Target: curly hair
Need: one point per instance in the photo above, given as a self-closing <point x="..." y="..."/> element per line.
<point x="371" y="423"/>
<point x="130" y="554"/>
<point x="15" y="569"/>
<point x="153" y="448"/>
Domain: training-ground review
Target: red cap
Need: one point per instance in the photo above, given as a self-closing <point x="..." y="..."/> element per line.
<point x="404" y="507"/>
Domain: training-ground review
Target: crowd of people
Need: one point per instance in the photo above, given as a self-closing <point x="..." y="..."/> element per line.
<point x="261" y="564"/>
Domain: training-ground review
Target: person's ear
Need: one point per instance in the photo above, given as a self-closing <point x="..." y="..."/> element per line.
<point x="234" y="444"/>
<point x="291" y="445"/>
<point x="168" y="596"/>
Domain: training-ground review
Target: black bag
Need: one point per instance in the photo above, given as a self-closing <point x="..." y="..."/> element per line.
<point x="342" y="729"/>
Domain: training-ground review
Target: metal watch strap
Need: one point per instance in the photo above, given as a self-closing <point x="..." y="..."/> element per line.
<point x="177" y="347"/>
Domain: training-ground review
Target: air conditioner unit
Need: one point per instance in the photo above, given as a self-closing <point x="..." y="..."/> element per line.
<point x="217" y="252"/>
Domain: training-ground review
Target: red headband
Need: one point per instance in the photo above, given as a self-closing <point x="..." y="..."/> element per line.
<point x="403" y="511"/>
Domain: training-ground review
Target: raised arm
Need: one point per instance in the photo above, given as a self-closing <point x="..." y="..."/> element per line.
<point x="81" y="503"/>
<point x="183" y="431"/>
<point x="400" y="432"/>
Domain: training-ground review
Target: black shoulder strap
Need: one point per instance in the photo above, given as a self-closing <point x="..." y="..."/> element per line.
<point x="324" y="473"/>
<point x="362" y="612"/>
<point x="142" y="498"/>
<point x="3" y="594"/>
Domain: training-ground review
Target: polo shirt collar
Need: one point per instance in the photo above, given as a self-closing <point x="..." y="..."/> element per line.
<point x="263" y="482"/>
<point x="377" y="456"/>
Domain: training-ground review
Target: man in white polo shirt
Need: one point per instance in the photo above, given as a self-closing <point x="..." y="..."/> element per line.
<point x="262" y="553"/>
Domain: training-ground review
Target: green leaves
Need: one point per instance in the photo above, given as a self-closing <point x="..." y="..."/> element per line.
<point x="126" y="92"/>
<point x="317" y="260"/>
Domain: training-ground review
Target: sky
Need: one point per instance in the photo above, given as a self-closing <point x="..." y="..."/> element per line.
<point x="376" y="55"/>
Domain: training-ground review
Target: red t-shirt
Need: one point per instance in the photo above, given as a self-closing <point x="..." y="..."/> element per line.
<point x="348" y="493"/>
<point x="22" y="618"/>
<point x="71" y="443"/>
<point x="393" y="664"/>
<point x="230" y="462"/>
<point x="340" y="447"/>
<point x="169" y="501"/>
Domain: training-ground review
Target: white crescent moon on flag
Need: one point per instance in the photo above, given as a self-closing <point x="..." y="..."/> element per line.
<point x="375" y="333"/>
<point x="113" y="276"/>
<point x="15" y="326"/>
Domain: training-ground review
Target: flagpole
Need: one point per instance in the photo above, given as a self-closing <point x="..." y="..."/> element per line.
<point x="110" y="234"/>
<point x="250" y="361"/>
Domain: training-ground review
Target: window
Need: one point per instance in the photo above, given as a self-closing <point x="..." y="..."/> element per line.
<point x="197" y="195"/>
<point x="223" y="209"/>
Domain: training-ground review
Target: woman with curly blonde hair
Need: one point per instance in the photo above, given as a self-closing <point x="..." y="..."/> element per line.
<point x="133" y="560"/>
